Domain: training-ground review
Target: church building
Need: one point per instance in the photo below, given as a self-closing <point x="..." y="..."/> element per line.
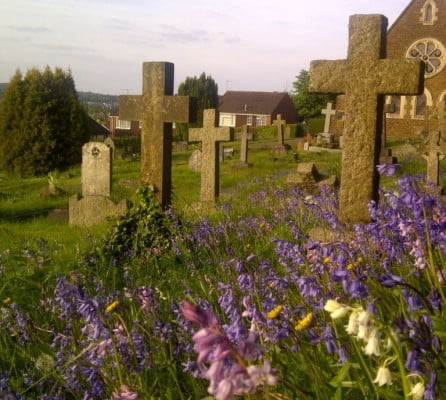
<point x="419" y="32"/>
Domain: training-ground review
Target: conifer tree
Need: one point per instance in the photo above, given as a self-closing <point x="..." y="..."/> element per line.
<point x="308" y="104"/>
<point x="42" y="123"/>
<point x="205" y="91"/>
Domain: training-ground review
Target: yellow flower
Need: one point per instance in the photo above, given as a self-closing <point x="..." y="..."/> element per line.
<point x="351" y="266"/>
<point x="111" y="306"/>
<point x="304" y="322"/>
<point x="274" y="313"/>
<point x="359" y="260"/>
<point x="326" y="260"/>
<point x="7" y="300"/>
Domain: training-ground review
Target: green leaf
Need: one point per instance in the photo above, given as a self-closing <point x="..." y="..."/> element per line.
<point x="340" y="377"/>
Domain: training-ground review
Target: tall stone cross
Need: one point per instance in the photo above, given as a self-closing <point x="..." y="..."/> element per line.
<point x="210" y="136"/>
<point x="328" y="112"/>
<point x="435" y="149"/>
<point x="280" y="123"/>
<point x="157" y="108"/>
<point x="364" y="77"/>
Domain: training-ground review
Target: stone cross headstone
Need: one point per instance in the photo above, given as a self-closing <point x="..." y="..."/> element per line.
<point x="157" y="108"/>
<point x="280" y="123"/>
<point x="435" y="151"/>
<point x="364" y="77"/>
<point x="328" y="112"/>
<point x="434" y="148"/>
<point x="385" y="154"/>
<point x="210" y="136"/>
<point x="95" y="204"/>
<point x="96" y="169"/>
<point x="245" y="136"/>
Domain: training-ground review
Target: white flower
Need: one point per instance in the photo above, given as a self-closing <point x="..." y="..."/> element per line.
<point x="363" y="332"/>
<point x="352" y="327"/>
<point x="383" y="377"/>
<point x="417" y="391"/>
<point x="363" y="318"/>
<point x="363" y="325"/>
<point x="335" y="309"/>
<point x="372" y="346"/>
<point x="332" y="305"/>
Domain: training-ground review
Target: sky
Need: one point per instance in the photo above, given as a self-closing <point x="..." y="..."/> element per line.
<point x="258" y="45"/>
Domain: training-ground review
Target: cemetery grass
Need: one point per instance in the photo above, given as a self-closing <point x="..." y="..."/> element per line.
<point x="84" y="325"/>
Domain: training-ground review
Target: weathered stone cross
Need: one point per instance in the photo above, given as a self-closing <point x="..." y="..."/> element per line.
<point x="280" y="123"/>
<point x="328" y="112"/>
<point x="364" y="77"/>
<point x="436" y="148"/>
<point x="210" y="136"/>
<point x="157" y="109"/>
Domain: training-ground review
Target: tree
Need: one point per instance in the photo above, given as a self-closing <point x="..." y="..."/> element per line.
<point x="42" y="124"/>
<point x="205" y="90"/>
<point x="308" y="104"/>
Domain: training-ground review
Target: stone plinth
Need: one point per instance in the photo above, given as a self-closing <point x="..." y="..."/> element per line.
<point x="92" y="210"/>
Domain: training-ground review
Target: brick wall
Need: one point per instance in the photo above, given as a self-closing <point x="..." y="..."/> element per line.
<point x="406" y="30"/>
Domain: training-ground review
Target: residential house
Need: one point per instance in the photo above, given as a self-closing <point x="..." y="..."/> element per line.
<point x="121" y="127"/>
<point x="255" y="108"/>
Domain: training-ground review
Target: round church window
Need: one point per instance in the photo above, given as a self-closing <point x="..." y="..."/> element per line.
<point x="431" y="52"/>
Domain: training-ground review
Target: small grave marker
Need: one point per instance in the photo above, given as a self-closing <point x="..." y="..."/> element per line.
<point x="210" y="136"/>
<point x="95" y="204"/>
<point x="328" y="112"/>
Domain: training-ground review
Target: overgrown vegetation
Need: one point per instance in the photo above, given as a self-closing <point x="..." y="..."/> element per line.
<point x="290" y="316"/>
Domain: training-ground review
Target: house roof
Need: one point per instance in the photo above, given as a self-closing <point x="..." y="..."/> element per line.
<point x="241" y="102"/>
<point x="97" y="129"/>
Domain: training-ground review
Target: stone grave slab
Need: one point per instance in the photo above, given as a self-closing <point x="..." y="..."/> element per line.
<point x="195" y="161"/>
<point x="307" y="178"/>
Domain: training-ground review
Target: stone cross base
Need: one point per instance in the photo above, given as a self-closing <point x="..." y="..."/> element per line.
<point x="308" y="178"/>
<point x="280" y="150"/>
<point x="241" y="165"/>
<point x="386" y="157"/>
<point x="92" y="210"/>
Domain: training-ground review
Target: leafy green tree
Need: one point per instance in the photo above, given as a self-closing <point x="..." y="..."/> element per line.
<point x="42" y="124"/>
<point x="308" y="104"/>
<point x="205" y="90"/>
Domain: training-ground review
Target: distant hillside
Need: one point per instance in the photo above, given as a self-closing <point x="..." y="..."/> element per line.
<point x="90" y="97"/>
<point x="84" y="97"/>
